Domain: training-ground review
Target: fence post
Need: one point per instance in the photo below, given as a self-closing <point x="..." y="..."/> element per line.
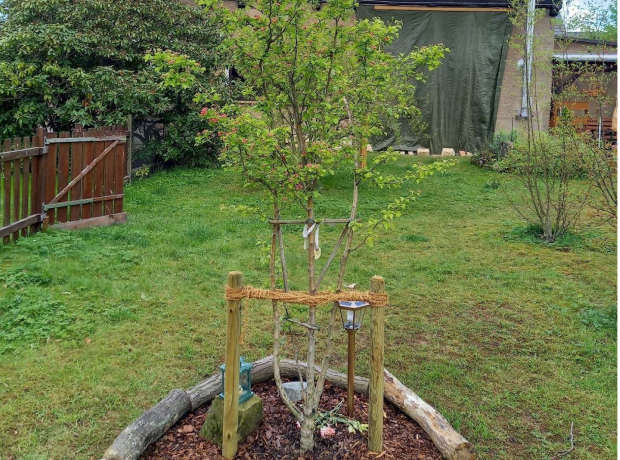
<point x="375" y="410"/>
<point x="129" y="146"/>
<point x="231" y="375"/>
<point x="38" y="174"/>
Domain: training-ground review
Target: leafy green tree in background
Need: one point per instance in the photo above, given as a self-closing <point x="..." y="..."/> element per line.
<point x="65" y="62"/>
<point x="594" y="20"/>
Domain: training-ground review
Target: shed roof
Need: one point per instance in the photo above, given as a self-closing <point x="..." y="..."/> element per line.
<point x="553" y="6"/>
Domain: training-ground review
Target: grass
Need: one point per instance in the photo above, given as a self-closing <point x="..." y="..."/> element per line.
<point x="509" y="338"/>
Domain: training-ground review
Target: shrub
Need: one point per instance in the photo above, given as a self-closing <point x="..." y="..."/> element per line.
<point x="552" y="191"/>
<point x="66" y="62"/>
<point x="601" y="165"/>
<point x="179" y="145"/>
<point x="496" y="150"/>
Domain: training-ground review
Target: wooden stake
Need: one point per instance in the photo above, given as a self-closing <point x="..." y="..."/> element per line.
<point x="129" y="147"/>
<point x="231" y="376"/>
<point x="375" y="410"/>
<point x="364" y="155"/>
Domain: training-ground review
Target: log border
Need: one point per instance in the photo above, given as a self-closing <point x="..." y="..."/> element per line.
<point x="153" y="423"/>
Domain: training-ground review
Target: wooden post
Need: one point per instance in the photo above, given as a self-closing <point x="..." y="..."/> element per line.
<point x="38" y="179"/>
<point x="375" y="410"/>
<point x="129" y="147"/>
<point x="364" y="155"/>
<point x="231" y="374"/>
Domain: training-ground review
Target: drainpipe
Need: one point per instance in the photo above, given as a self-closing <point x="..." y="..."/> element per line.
<point x="529" y="39"/>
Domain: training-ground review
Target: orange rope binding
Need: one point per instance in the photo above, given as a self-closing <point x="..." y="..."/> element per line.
<point x="303" y="298"/>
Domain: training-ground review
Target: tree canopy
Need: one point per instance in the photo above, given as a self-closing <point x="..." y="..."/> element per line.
<point x="64" y="62"/>
<point x="593" y="20"/>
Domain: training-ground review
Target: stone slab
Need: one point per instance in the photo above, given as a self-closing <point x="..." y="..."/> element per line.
<point x="250" y="416"/>
<point x="294" y="390"/>
<point x="424" y="152"/>
<point x="446" y="152"/>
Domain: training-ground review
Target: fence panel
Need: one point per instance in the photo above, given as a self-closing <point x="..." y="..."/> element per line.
<point x="18" y="162"/>
<point x="66" y="179"/>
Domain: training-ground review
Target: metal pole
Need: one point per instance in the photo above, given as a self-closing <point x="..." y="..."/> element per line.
<point x="529" y="50"/>
<point x="351" y="372"/>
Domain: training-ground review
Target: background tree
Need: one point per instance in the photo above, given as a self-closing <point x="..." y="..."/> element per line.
<point x="593" y="19"/>
<point x="65" y="62"/>
<point x="553" y="167"/>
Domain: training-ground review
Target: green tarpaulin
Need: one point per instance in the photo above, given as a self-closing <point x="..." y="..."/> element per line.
<point x="459" y="100"/>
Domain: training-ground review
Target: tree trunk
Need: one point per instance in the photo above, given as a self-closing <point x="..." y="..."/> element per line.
<point x="149" y="427"/>
<point x="449" y="442"/>
<point x="310" y="406"/>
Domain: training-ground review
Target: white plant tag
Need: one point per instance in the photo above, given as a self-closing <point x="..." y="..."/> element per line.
<point x="307" y="230"/>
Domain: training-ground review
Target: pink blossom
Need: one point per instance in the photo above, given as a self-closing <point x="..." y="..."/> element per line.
<point x="299" y="187"/>
<point x="327" y="432"/>
<point x="203" y="111"/>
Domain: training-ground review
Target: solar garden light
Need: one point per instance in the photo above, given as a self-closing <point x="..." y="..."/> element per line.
<point x="352" y="315"/>
<point x="245" y="380"/>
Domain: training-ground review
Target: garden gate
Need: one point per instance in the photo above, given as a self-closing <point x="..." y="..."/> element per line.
<point x="66" y="180"/>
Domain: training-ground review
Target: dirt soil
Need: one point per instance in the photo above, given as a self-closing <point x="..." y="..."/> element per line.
<point x="277" y="437"/>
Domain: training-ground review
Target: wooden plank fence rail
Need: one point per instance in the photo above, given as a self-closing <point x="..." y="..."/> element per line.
<point x="67" y="180"/>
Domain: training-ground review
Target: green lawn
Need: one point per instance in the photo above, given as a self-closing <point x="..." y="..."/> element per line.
<point x="511" y="339"/>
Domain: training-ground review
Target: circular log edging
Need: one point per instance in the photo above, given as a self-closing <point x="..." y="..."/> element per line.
<point x="153" y="423"/>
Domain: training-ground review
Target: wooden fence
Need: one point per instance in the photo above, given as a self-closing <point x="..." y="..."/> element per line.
<point x="66" y="180"/>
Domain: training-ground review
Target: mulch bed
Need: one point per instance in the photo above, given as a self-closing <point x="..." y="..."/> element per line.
<point x="277" y="437"/>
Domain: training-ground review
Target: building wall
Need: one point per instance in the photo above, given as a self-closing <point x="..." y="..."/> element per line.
<point x="577" y="47"/>
<point x="584" y="84"/>
<point x="509" y="109"/>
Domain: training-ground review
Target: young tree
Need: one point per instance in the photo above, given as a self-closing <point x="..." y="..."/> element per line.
<point x="592" y="82"/>
<point x="549" y="165"/>
<point x="65" y="62"/>
<point x="323" y="85"/>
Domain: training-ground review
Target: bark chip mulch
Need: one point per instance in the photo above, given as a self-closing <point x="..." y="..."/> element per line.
<point x="277" y="437"/>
